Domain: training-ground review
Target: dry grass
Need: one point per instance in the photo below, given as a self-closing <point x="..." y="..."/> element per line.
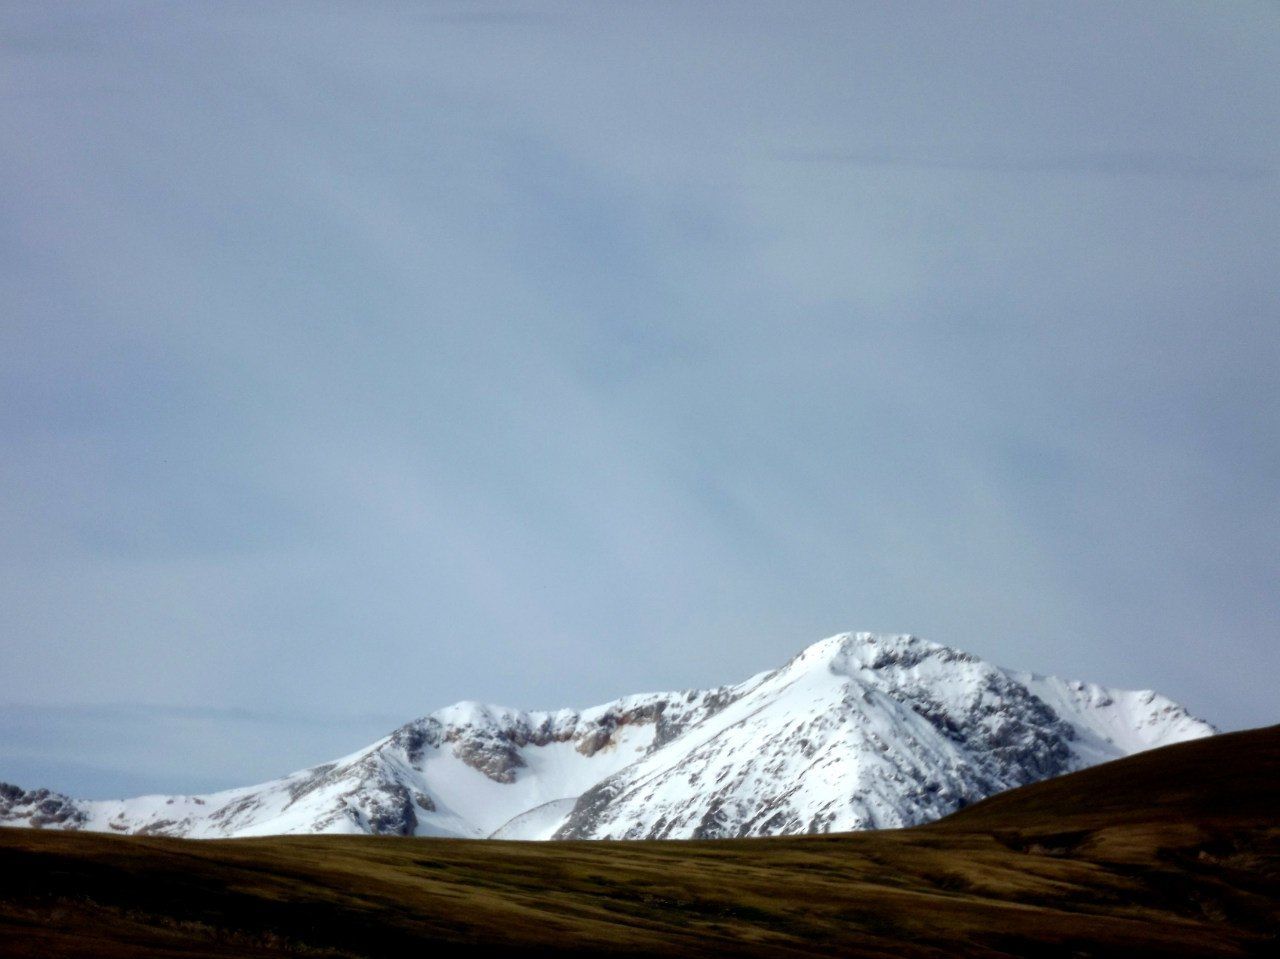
<point x="1174" y="853"/>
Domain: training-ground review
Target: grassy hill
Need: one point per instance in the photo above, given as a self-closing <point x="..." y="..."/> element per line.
<point x="1175" y="852"/>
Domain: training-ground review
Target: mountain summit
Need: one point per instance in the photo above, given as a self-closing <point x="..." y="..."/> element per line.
<point x="858" y="731"/>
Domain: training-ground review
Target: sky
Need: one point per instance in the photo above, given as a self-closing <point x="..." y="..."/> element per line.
<point x="359" y="358"/>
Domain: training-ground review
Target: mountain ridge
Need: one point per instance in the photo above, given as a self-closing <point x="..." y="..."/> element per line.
<point x="857" y="731"/>
<point x="1172" y="853"/>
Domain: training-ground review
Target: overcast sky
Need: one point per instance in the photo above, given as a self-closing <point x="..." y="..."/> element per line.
<point x="357" y="358"/>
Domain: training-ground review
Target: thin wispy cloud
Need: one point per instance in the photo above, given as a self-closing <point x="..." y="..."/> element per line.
<point x="1122" y="165"/>
<point x="120" y="749"/>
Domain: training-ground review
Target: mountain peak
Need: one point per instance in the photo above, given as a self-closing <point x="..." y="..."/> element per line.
<point x="847" y="653"/>
<point x="859" y="730"/>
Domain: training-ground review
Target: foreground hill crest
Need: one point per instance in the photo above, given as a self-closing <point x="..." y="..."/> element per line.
<point x="858" y="731"/>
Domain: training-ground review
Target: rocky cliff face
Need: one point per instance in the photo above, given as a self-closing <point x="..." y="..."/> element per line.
<point x="856" y="732"/>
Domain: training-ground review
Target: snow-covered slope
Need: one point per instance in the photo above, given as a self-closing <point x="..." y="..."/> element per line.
<point x="859" y="731"/>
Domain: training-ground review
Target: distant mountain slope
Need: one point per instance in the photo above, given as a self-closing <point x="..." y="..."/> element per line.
<point x="856" y="732"/>
<point x="1232" y="778"/>
<point x="1173" y="853"/>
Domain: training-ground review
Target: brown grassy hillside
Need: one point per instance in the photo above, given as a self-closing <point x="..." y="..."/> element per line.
<point x="1171" y="853"/>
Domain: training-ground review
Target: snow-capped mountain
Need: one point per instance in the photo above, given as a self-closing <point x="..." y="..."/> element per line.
<point x="858" y="731"/>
